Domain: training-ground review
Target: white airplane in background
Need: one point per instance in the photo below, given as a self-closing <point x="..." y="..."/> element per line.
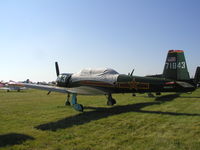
<point x="8" y="86"/>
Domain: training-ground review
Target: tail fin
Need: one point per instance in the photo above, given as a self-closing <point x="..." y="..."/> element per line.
<point x="197" y="76"/>
<point x="175" y="66"/>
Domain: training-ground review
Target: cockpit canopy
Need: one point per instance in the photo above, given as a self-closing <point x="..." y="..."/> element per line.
<point x="96" y="72"/>
<point x="100" y="75"/>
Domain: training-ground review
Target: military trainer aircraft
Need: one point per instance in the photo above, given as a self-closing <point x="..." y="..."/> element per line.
<point x="175" y="78"/>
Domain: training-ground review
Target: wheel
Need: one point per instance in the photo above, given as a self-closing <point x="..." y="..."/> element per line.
<point x="158" y="93"/>
<point x="78" y="107"/>
<point x="111" y="102"/>
<point x="114" y="101"/>
<point x="150" y="95"/>
<point x="133" y="94"/>
<point x="67" y="103"/>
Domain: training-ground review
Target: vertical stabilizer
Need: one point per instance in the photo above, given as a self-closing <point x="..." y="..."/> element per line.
<point x="175" y="66"/>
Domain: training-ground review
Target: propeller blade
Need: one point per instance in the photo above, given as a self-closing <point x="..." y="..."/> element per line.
<point x="132" y="72"/>
<point x="57" y="69"/>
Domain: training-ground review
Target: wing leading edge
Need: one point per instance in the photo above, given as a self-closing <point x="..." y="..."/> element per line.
<point x="83" y="90"/>
<point x="43" y="87"/>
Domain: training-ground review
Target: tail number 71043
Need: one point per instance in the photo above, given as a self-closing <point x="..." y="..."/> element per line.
<point x="174" y="65"/>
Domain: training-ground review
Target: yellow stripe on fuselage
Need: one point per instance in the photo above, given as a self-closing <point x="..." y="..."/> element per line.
<point x="123" y="85"/>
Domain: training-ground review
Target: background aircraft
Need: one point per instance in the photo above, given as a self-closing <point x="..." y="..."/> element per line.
<point x="175" y="78"/>
<point x="9" y="86"/>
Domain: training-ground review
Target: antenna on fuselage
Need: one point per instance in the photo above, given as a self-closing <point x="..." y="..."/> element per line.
<point x="57" y="69"/>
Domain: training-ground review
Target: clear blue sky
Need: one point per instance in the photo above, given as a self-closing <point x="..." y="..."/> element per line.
<point x="119" y="34"/>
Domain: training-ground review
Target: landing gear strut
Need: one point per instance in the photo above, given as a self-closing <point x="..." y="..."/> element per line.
<point x="67" y="103"/>
<point x="74" y="103"/>
<point x="111" y="101"/>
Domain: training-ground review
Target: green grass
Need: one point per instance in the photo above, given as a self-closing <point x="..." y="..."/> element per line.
<point x="32" y="120"/>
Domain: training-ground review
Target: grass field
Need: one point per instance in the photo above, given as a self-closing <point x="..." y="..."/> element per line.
<point x="31" y="120"/>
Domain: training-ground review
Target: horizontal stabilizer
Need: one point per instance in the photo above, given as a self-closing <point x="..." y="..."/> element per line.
<point x="184" y="84"/>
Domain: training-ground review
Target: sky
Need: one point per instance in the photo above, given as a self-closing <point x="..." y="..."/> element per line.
<point x="118" y="34"/>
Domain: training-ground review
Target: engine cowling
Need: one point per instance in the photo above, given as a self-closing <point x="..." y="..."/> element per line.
<point x="63" y="80"/>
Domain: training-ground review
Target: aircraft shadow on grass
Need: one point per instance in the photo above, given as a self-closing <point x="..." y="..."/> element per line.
<point x="99" y="113"/>
<point x="190" y="97"/>
<point x="13" y="139"/>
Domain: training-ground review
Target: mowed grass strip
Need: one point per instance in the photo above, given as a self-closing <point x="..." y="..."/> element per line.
<point x="33" y="120"/>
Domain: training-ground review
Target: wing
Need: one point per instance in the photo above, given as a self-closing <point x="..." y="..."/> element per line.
<point x="4" y="88"/>
<point x="43" y="87"/>
<point x="83" y="90"/>
<point x="185" y="84"/>
<point x="88" y="90"/>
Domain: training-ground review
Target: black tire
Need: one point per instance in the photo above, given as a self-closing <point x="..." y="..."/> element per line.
<point x="67" y="103"/>
<point x="111" y="102"/>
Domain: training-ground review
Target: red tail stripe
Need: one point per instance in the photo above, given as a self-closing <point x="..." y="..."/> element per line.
<point x="176" y="51"/>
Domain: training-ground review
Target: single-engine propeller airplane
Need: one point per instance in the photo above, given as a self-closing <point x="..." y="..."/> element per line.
<point x="175" y="78"/>
<point x="8" y="86"/>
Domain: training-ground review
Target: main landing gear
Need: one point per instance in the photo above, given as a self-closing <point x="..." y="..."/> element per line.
<point x="111" y="101"/>
<point x="67" y="103"/>
<point x="78" y="107"/>
<point x="150" y="95"/>
<point x="74" y="104"/>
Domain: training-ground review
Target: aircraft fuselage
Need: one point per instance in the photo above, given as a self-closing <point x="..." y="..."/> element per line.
<point x="120" y="83"/>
